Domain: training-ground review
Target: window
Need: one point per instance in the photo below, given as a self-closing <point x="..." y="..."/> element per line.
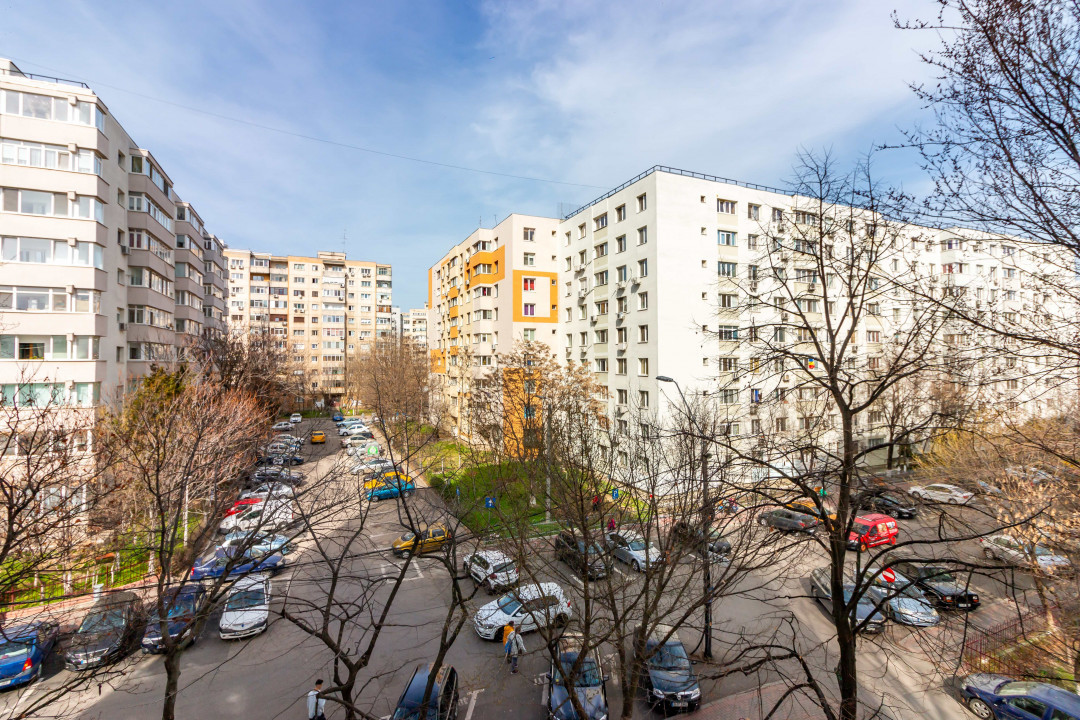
<point x="727" y="269"/>
<point x="643" y="301"/>
<point x="777" y="215"/>
<point x="600" y="222"/>
<point x="602" y="307"/>
<point x="601" y="336"/>
<point x="620" y="244"/>
<point x="873" y="336"/>
<point x="620" y="366"/>
<point x="46" y="107"/>
<point x="622" y="396"/>
<point x="753" y="212"/>
<point x="728" y="300"/>
<point x="622" y="304"/>
<point x="529" y="234"/>
<point x="642" y="202"/>
<point x="643" y="333"/>
<point x="643" y="367"/>
<point x="601" y="365"/>
<point x="528" y="284"/>
<point x="581" y="230"/>
<point x="601" y="278"/>
<point x="728" y="332"/>
<point x="643" y="268"/>
<point x="643" y="398"/>
<point x="642" y="235"/>
<point x="725" y="206"/>
<point x="729" y="396"/>
<point x="780" y="424"/>
<point x="600" y="250"/>
<point x="1028" y="705"/>
<point x="50" y="157"/>
<point x="723" y="237"/>
<point x="530" y="259"/>
<point x="52" y="252"/>
<point x="529" y="310"/>
<point x="36" y="202"/>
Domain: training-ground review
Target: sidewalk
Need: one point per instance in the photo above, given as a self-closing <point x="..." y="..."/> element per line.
<point x="754" y="704"/>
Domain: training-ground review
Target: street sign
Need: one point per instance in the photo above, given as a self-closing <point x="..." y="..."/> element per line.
<point x="615" y="494"/>
<point x="888" y="575"/>
<point x="373" y="449"/>
<point x="489" y="502"/>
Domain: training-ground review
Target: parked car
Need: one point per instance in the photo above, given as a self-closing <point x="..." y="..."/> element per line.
<point x="1010" y="550"/>
<point x="589" y="684"/>
<point x="871" y="530"/>
<point x="631" y="548"/>
<point x="941" y="493"/>
<point x="246" y="562"/>
<point x="288" y="438"/>
<point x="181" y="604"/>
<point x="427" y="538"/>
<point x="266" y="517"/>
<point x="491" y="569"/>
<point x="374" y="468"/>
<point x="265" y="490"/>
<point x="1002" y="698"/>
<point x="806" y="506"/>
<point x="586" y="558"/>
<point x="984" y="488"/>
<point x="24" y="649"/>
<point x="110" y="630"/>
<point x="668" y="677"/>
<point x="890" y="503"/>
<point x="283" y="425"/>
<point x="243" y="505"/>
<point x="348" y="428"/>
<point x="789" y="521"/>
<point x="337" y="417"/>
<point x="530" y="606"/>
<point x="357" y="432"/>
<point x="257" y="543"/>
<point x="247" y="608"/>
<point x="390" y="488"/>
<point x="939" y="585"/>
<point x="277" y="474"/>
<point x="442" y="702"/>
<point x="295" y="418"/>
<point x="865" y="610"/>
<point x="281" y="459"/>
<point x="693" y="535"/>
<point x="318" y="438"/>
<point x="901" y="600"/>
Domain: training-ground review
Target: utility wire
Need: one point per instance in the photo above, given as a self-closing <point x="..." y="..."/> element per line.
<point x="313" y="138"/>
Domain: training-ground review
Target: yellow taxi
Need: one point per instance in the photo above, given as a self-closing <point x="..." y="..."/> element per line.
<point x="806" y="506"/>
<point x="429" y="538"/>
<point x="318" y="437"/>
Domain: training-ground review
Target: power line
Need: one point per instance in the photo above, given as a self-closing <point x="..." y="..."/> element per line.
<point x="313" y="138"/>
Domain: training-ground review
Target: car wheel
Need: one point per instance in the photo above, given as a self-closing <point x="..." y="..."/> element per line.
<point x="375" y="498"/>
<point x="761" y="521"/>
<point x="980" y="708"/>
<point x="637" y="566"/>
<point x="952" y="501"/>
<point x="863" y="547"/>
<point x="407" y="493"/>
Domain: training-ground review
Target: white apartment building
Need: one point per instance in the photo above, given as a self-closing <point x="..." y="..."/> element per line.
<point x="105" y="270"/>
<point x="670" y="274"/>
<point x="324" y="309"/>
<point x="494" y="288"/>
<point x="414" y="326"/>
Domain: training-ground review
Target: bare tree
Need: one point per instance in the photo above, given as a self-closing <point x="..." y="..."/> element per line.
<point x="253" y="362"/>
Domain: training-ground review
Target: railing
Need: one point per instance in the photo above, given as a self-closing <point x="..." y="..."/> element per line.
<point x="989" y="650"/>
<point x="43" y="78"/>
<point x="677" y="171"/>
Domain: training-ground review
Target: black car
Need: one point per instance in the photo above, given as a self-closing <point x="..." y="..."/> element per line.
<point x="586" y="558"/>
<point x="110" y="630"/>
<point x="667" y="676"/>
<point x="182" y="605"/>
<point x="891" y="504"/>
<point x="589" y="684"/>
<point x="281" y="459"/>
<point x="787" y="520"/>
<point x="692" y="535"/>
<point x="865" y="612"/>
<point x="939" y="585"/>
<point x="442" y="703"/>
<point x="276" y="473"/>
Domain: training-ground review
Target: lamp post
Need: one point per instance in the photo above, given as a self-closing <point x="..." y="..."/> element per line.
<point x="706" y="511"/>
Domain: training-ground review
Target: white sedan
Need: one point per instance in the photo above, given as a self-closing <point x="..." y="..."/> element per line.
<point x="941" y="493"/>
<point x="247" y="608"/>
<point x="283" y="425"/>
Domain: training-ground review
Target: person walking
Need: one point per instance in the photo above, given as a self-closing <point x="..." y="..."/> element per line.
<point x="517" y="649"/>
<point x="507" y="629"/>
<point x="611" y="524"/>
<point x="315" y="704"/>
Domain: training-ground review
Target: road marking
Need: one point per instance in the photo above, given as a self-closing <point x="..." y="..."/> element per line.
<point x="577" y="580"/>
<point x="619" y="571"/>
<point x="472" y="703"/>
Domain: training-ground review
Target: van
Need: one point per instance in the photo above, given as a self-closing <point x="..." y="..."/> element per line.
<point x="871" y="530"/>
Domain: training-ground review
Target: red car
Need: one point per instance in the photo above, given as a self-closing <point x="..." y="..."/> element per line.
<point x="242" y="505"/>
<point x="871" y="530"/>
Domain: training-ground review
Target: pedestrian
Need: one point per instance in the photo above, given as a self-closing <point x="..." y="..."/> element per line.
<point x="611" y="524"/>
<point x="315" y="704"/>
<point x="596" y="503"/>
<point x="507" y="629"/>
<point x="517" y="649"/>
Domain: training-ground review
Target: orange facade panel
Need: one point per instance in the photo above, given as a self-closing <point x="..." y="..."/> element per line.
<point x="438" y="362"/>
<point x="495" y="258"/>
<point x="551" y="311"/>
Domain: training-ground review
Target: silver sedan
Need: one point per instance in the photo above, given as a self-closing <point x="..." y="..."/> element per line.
<point x="632" y="549"/>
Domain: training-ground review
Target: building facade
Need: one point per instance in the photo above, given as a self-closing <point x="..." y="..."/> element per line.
<point x="414" y="326"/>
<point x="496" y="287"/>
<point x="325" y="309"/>
<point x="105" y="270"/>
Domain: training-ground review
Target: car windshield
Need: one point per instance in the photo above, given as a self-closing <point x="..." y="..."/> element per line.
<point x="637" y="544"/>
<point x="406" y="537"/>
<point x="503" y="567"/>
<point x="593" y="549"/>
<point x="671" y="656"/>
<point x="102" y="621"/>
<point x="891" y="498"/>
<point x="9" y="649"/>
<point x="938" y="574"/>
<point x="1041" y="551"/>
<point x="588" y="676"/>
<point x="860" y="529"/>
<point x="252" y="597"/>
<point x="509" y="604"/>
<point x="182" y="606"/>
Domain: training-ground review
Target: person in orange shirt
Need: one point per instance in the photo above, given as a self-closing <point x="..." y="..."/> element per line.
<point x="507" y="629"/>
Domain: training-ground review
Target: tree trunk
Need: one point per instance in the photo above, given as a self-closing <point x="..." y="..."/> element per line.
<point x="847" y="674"/>
<point x="172" y="683"/>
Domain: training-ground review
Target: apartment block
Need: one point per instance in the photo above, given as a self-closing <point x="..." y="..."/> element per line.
<point x="496" y="287"/>
<point x="414" y="325"/>
<point x="324" y="309"/>
<point x="105" y="269"/>
<point x="677" y="274"/>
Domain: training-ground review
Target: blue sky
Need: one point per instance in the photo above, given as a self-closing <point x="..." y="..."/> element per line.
<point x="589" y="94"/>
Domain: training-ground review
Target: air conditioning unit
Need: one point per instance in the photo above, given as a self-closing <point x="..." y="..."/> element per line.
<point x="620" y="409"/>
<point x="634" y="280"/>
<point x="785" y="378"/>
<point x="582" y="293"/>
<point x="753" y="287"/>
<point x="811" y="287"/>
<point x="620" y="284"/>
<point x="621" y="347"/>
<point x="593" y="318"/>
<point x="123" y="326"/>
<point x="620" y="315"/>
<point x="125" y="250"/>
<point x="783" y="317"/>
<point x="753" y="410"/>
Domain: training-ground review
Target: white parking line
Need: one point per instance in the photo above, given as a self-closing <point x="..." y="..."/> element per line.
<point x="472" y="703"/>
<point x="619" y="571"/>
<point x="575" y="579"/>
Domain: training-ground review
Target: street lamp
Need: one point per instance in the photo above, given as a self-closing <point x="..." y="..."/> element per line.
<point x="706" y="511"/>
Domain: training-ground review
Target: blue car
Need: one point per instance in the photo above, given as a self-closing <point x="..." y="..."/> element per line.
<point x="182" y="604"/>
<point x="390" y="489"/>
<point x="214" y="566"/>
<point x="23" y="649"/>
<point x="589" y="685"/>
<point x="337" y="417"/>
<point x="1001" y="698"/>
<point x="258" y="545"/>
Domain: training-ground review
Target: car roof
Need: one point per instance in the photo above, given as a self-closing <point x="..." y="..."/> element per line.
<point x="1058" y="696"/>
<point x="414" y="691"/>
<point x="874" y="518"/>
<point x="533" y="591"/>
<point x="493" y="556"/>
<point x="22" y="631"/>
<point x="123" y="597"/>
<point x="661" y="631"/>
<point x="247" y="582"/>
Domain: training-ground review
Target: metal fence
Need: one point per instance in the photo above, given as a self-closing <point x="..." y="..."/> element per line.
<point x="995" y="647"/>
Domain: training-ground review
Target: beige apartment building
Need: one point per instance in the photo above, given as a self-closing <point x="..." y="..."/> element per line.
<point x="414" y="324"/>
<point x="324" y="309"/>
<point x="496" y="287"/>
<point x="105" y="269"/>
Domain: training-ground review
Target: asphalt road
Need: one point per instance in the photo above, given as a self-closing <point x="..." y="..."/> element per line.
<point x="268" y="676"/>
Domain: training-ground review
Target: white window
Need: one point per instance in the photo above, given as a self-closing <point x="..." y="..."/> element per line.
<point x="725" y="206"/>
<point x="642" y="202"/>
<point x="620" y="213"/>
<point x="600" y="222"/>
<point x="724" y="237"/>
<point x="530" y="259"/>
<point x="643" y="333"/>
<point x="643" y="301"/>
<point x="529" y="235"/>
<point x="643" y="268"/>
<point x="643" y="367"/>
<point x="642" y="235"/>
